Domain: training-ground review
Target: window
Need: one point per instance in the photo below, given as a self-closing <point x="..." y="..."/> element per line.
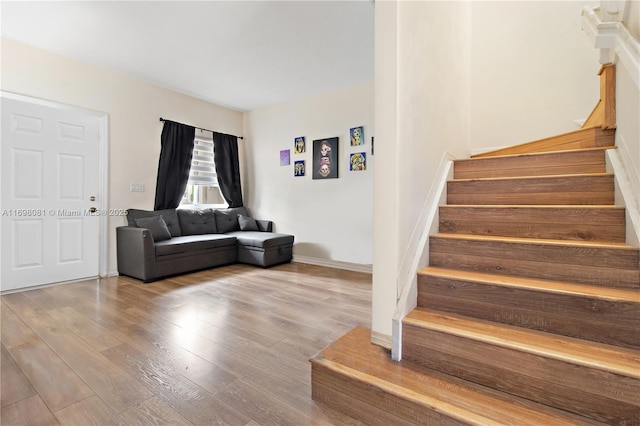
<point x="202" y="187"/>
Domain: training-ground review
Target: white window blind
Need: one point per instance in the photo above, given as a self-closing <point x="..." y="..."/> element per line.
<point x="202" y="186"/>
<point x="203" y="169"/>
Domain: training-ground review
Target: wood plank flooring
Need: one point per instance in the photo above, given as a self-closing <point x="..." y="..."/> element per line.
<point x="227" y="346"/>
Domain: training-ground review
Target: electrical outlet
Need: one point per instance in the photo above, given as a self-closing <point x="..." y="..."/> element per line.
<point x="136" y="187"/>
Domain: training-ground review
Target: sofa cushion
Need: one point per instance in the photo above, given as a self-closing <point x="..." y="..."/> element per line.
<point x="227" y="221"/>
<point x="193" y="243"/>
<point x="156" y="225"/>
<point x="235" y="210"/>
<point x="247" y="223"/>
<point x="170" y="217"/>
<point x="197" y="221"/>
<point x="262" y="240"/>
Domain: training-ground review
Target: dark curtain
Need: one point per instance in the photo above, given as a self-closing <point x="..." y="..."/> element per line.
<point x="225" y="157"/>
<point x="174" y="165"/>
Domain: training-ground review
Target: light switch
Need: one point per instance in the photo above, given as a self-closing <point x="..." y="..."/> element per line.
<point x="136" y="187"/>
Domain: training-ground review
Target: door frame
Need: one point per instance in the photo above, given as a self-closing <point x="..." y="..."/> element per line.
<point x="103" y="172"/>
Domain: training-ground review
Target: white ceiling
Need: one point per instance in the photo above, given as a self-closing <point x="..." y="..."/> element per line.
<point x="240" y="54"/>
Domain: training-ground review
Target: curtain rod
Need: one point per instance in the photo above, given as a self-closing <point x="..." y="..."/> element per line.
<point x="199" y="128"/>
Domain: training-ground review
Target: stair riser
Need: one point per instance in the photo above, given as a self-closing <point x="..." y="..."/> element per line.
<point x="572" y="190"/>
<point x="364" y="401"/>
<point x="579" y="389"/>
<point x="610" y="267"/>
<point x="586" y="224"/>
<point x="540" y="165"/>
<point x="589" y="318"/>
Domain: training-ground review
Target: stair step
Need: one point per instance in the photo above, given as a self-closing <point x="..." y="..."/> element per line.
<point x="585" y="161"/>
<point x="600" y="314"/>
<point x="360" y="380"/>
<point x="609" y="265"/>
<point x="582" y="223"/>
<point x="594" y="189"/>
<point x="578" y="139"/>
<point x="587" y="378"/>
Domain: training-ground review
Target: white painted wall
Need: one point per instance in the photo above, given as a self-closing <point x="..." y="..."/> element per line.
<point x="422" y="117"/>
<point x="331" y="219"/>
<point x="533" y="71"/>
<point x="632" y="18"/>
<point x="628" y="127"/>
<point x="134" y="108"/>
<point x="627" y="113"/>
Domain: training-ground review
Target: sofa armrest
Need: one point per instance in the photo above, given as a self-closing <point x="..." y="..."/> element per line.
<point x="136" y="253"/>
<point x="265" y="225"/>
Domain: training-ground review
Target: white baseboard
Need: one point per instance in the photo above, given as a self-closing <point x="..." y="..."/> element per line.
<point x="383" y="340"/>
<point x="625" y="192"/>
<point x="356" y="267"/>
<point x="111" y="273"/>
<point x="417" y="252"/>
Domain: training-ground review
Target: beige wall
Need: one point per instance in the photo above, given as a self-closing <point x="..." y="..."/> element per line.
<point x="533" y="71"/>
<point x="422" y="117"/>
<point x="632" y="18"/>
<point x="331" y="219"/>
<point x="628" y="129"/>
<point x="134" y="108"/>
<point x="628" y="107"/>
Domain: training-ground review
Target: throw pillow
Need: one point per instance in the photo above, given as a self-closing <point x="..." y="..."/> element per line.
<point x="247" y="223"/>
<point x="226" y="222"/>
<point x="169" y="216"/>
<point x="156" y="225"/>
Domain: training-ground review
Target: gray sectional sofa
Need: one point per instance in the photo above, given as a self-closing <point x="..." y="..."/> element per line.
<point x="158" y="244"/>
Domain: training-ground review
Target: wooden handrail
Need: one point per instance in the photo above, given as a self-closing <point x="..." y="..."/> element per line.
<point x="604" y="113"/>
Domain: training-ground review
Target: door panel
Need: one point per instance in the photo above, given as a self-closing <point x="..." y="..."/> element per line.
<point x="50" y="158"/>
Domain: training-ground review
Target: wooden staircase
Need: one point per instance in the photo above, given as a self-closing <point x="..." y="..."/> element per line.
<point x="529" y="313"/>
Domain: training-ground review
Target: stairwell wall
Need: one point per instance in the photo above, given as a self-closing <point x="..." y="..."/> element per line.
<point x="454" y="78"/>
<point x="533" y="72"/>
<point x="422" y="117"/>
<point x="628" y="109"/>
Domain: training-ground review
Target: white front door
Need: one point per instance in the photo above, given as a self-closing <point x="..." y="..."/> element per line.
<point x="50" y="158"/>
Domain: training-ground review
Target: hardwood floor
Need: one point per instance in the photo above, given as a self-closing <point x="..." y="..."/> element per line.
<point x="227" y="346"/>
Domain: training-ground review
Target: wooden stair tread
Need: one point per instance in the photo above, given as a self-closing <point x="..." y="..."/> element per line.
<point x="616" y="360"/>
<point x="605" y="293"/>
<point x="523" y="178"/>
<point x="541" y="153"/>
<point x="538" y="241"/>
<point x="353" y="355"/>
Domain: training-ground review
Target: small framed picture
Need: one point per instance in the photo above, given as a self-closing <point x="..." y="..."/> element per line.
<point x="325" y="158"/>
<point x="357" y="136"/>
<point x="298" y="168"/>
<point x="299" y="145"/>
<point x="358" y="161"/>
<point x="285" y="157"/>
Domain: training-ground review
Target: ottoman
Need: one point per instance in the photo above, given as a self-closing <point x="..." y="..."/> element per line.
<point x="263" y="248"/>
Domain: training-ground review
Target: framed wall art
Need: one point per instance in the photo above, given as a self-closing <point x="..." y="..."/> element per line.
<point x="298" y="168"/>
<point x="285" y="157"/>
<point x="299" y="145"/>
<point x="325" y="158"/>
<point x="357" y="136"/>
<point x="358" y="161"/>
